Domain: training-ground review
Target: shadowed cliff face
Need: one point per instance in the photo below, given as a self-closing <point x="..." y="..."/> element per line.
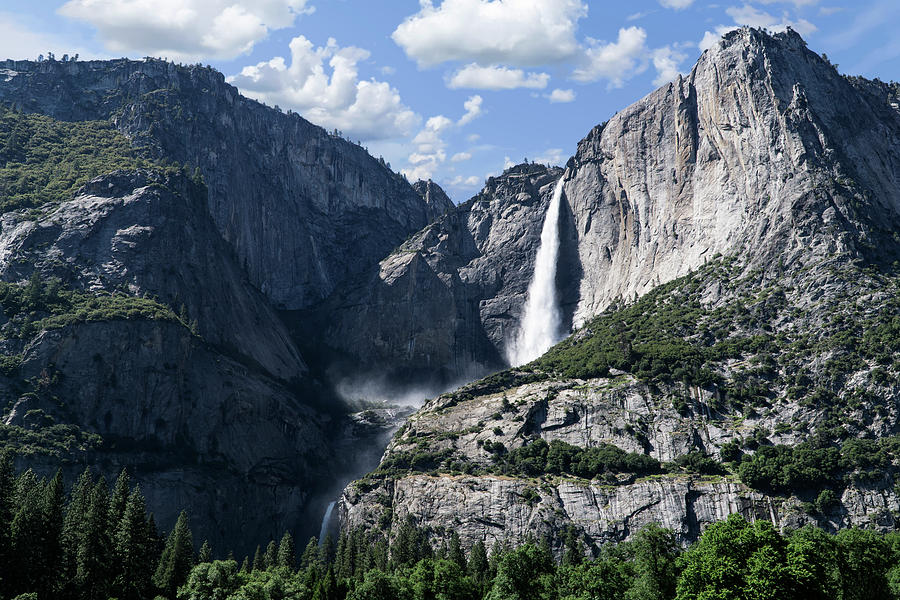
<point x="149" y="235"/>
<point x="304" y="210"/>
<point x="445" y="303"/>
<point x="771" y="183"/>
<point x="208" y="414"/>
<point x="216" y="411"/>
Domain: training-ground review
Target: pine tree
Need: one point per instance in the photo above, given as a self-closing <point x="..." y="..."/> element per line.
<point x="7" y="490"/>
<point x="153" y="538"/>
<point x="177" y="559"/>
<point x="341" y="559"/>
<point x="327" y="587"/>
<point x="377" y="555"/>
<point x="498" y="550"/>
<point x="478" y="564"/>
<point x="310" y="554"/>
<point x="121" y="492"/>
<point x="326" y="550"/>
<point x="132" y="550"/>
<point x="94" y="554"/>
<point x="455" y="552"/>
<point x="574" y="552"/>
<point x="245" y="566"/>
<point x="442" y="552"/>
<point x="287" y="552"/>
<point x="259" y="560"/>
<point x="25" y="531"/>
<point x="271" y="555"/>
<point x="51" y="559"/>
<point x="74" y="526"/>
<point x="205" y="554"/>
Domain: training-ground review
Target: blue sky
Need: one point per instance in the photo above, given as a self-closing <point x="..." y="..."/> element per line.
<point x="454" y="90"/>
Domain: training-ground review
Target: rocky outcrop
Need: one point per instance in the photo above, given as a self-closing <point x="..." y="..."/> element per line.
<point x="763" y="154"/>
<point x="437" y="202"/>
<point x="149" y="235"/>
<point x="446" y="301"/>
<point x="760" y="149"/>
<point x="303" y="209"/>
<point x="207" y="413"/>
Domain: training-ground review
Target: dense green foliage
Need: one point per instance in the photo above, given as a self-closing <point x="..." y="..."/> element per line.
<point x="533" y="459"/>
<point x="671" y="335"/>
<point x="89" y="544"/>
<point x="560" y="458"/>
<point x="40" y="305"/>
<point x="95" y="543"/>
<point x="734" y="559"/>
<point x="816" y="464"/>
<point x="43" y="160"/>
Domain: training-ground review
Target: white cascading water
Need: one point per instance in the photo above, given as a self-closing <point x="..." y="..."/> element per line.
<point x="541" y="322"/>
<point x="323" y="531"/>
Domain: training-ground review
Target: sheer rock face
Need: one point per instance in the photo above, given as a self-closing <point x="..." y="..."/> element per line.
<point x="144" y="235"/>
<point x="196" y="429"/>
<point x="436" y="200"/>
<point x="762" y="149"/>
<point x="210" y="421"/>
<point x="303" y="209"/>
<point x="447" y="301"/>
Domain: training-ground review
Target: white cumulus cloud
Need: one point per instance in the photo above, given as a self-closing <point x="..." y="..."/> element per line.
<point x="614" y="61"/>
<point x="185" y="29"/>
<point x="513" y="32"/>
<point x="476" y="77"/>
<point x="473" y="110"/>
<point x="461" y="180"/>
<point x="754" y="17"/>
<point x="364" y="109"/>
<point x="431" y="146"/>
<point x="561" y="96"/>
<point x="666" y="61"/>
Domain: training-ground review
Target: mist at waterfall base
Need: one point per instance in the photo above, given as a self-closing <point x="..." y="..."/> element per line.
<point x="366" y="396"/>
<point x="541" y="320"/>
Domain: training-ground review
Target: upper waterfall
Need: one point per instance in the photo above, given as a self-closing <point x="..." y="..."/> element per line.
<point x="541" y="320"/>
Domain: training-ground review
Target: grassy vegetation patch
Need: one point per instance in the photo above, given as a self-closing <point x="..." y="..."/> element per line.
<point x="45" y="161"/>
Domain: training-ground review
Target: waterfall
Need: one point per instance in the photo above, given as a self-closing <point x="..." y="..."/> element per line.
<point x="541" y="322"/>
<point x="325" y="520"/>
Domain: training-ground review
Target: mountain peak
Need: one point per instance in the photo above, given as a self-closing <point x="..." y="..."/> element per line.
<point x="437" y="201"/>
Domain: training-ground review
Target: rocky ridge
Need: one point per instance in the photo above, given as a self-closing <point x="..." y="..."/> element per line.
<point x="303" y="209"/>
<point x="183" y="403"/>
<point x="447" y="300"/>
<point x="762" y="186"/>
<point x="762" y="147"/>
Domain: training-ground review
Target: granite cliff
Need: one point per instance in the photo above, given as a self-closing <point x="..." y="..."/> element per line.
<point x="444" y="304"/>
<point x="734" y="247"/>
<point x="758" y="150"/>
<point x="152" y="333"/>
<point x="303" y="209"/>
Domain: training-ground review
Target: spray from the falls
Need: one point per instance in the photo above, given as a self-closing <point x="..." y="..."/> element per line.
<point x="323" y="531"/>
<point x="541" y="321"/>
